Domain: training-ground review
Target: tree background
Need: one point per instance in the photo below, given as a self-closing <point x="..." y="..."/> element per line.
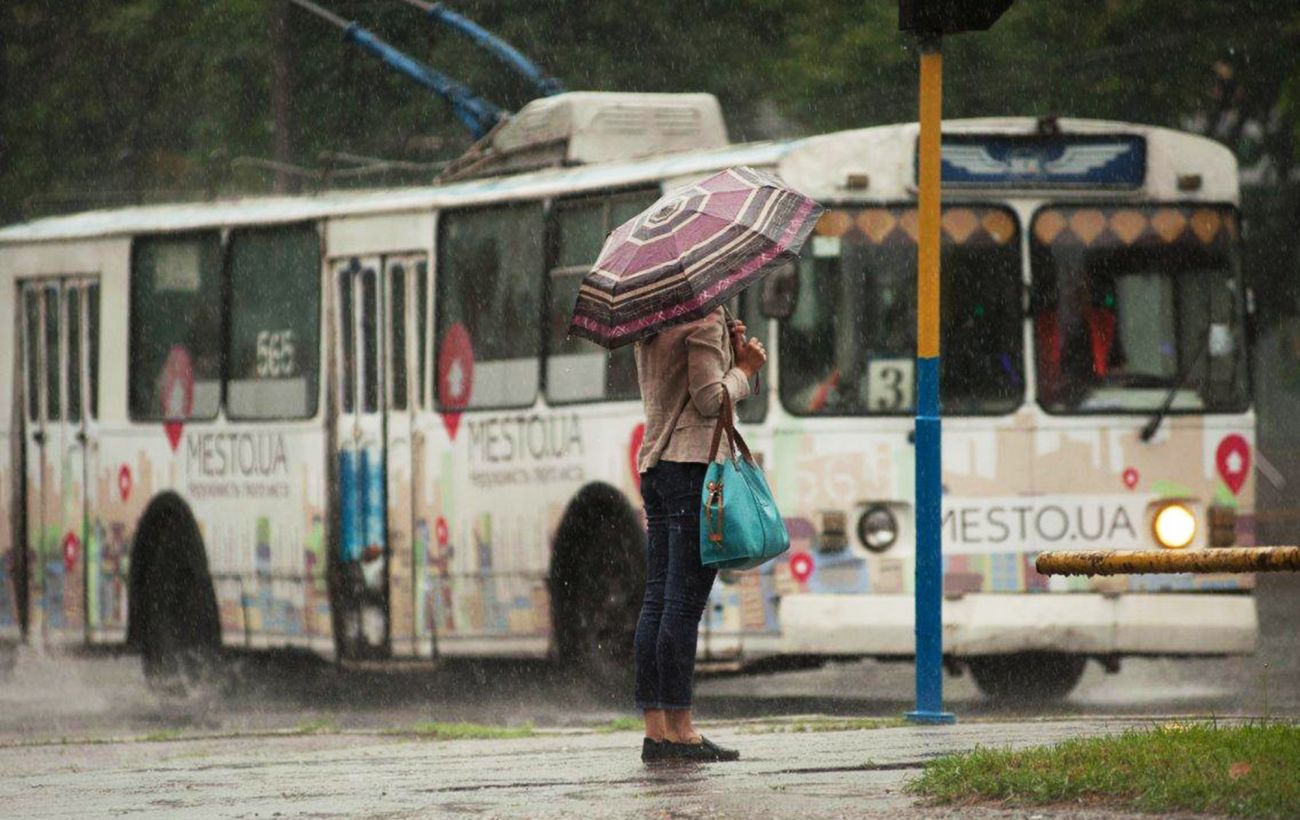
<point x="107" y="102"/>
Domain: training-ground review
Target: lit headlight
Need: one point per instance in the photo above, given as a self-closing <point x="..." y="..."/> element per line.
<point x="877" y="529"/>
<point x="1175" y="526"/>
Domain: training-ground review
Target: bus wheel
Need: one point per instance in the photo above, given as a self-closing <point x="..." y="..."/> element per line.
<point x="174" y="617"/>
<point x="596" y="583"/>
<point x="1027" y="677"/>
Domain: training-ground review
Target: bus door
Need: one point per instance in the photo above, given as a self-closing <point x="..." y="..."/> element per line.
<point x="361" y="554"/>
<point x="403" y="288"/>
<point x="59" y="325"/>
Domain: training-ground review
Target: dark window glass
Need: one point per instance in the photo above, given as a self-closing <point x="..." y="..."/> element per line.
<point x="1134" y="306"/>
<point x="577" y="370"/>
<point x="53" y="354"/>
<point x="274" y="323"/>
<point x="73" y="297"/>
<point x="176" y="327"/>
<point x="32" y="342"/>
<point x="347" y="338"/>
<point x="92" y="348"/>
<point x="369" y="342"/>
<point x="489" y="281"/>
<point x="850" y="347"/>
<point x="422" y="330"/>
<point x="397" y="325"/>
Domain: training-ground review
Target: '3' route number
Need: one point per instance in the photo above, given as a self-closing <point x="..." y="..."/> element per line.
<point x="889" y="384"/>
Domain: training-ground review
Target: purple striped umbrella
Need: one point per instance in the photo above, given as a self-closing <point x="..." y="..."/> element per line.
<point x="688" y="253"/>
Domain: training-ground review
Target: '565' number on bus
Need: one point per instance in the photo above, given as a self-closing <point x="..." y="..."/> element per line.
<point x="275" y="354"/>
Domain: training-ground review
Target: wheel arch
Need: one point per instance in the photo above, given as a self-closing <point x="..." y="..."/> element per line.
<point x="168" y="533"/>
<point x="598" y="509"/>
<point x="575" y="520"/>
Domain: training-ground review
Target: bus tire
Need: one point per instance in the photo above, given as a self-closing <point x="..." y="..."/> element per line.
<point x="173" y="606"/>
<point x="596" y="582"/>
<point x="1027" y="677"/>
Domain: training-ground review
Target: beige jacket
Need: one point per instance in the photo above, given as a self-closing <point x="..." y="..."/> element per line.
<point x="682" y="372"/>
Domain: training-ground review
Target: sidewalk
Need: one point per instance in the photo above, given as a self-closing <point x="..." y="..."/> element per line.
<point x="852" y="773"/>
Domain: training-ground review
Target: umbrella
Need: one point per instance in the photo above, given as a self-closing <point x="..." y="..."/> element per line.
<point x="688" y="253"/>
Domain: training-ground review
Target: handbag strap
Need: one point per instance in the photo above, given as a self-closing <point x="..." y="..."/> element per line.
<point x="727" y="422"/>
<point x="721" y="424"/>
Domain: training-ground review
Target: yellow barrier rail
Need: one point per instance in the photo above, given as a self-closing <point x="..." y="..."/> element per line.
<point x="1136" y="562"/>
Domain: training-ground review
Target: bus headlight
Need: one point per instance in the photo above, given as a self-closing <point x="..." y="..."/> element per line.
<point x="1175" y="526"/>
<point x="877" y="529"/>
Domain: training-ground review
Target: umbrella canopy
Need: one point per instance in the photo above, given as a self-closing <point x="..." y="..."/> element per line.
<point x="688" y="253"/>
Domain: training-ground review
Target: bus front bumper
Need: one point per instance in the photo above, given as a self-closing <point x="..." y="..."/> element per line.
<point x="991" y="624"/>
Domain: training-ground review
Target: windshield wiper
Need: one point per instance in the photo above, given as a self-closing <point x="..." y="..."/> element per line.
<point x="1149" y="431"/>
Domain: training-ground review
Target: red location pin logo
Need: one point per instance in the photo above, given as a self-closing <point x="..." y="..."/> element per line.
<point x="634" y="450"/>
<point x="124" y="482"/>
<point x="801" y="566"/>
<point x="455" y="375"/>
<point x="1131" y="478"/>
<point x="1233" y="460"/>
<point x="71" y="551"/>
<point x="177" y="393"/>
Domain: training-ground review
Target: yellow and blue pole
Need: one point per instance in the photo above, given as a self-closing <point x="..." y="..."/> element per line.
<point x="929" y="488"/>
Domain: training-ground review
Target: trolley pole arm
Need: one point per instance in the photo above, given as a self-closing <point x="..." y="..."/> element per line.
<point x="545" y="84"/>
<point x="477" y="114"/>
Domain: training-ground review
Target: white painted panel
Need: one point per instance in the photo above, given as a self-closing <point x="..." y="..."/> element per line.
<point x="390" y="233"/>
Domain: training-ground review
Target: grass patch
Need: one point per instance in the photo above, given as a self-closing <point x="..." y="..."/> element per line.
<point x="1244" y="771"/>
<point x="620" y="724"/>
<point x="438" y="730"/>
<point x="822" y="725"/>
<point x="163" y="736"/>
<point x="317" y="726"/>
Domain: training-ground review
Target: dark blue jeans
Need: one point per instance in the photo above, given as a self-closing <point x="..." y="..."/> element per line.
<point x="676" y="588"/>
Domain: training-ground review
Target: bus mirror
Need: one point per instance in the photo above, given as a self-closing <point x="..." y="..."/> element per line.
<point x="781" y="292"/>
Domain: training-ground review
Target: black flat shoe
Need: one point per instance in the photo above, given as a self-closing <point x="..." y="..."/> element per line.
<point x="706" y="751"/>
<point x="653" y="751"/>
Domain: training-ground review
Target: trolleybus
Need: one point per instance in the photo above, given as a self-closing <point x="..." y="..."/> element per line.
<point x="352" y="422"/>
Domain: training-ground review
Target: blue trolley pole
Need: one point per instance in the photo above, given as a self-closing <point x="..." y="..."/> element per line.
<point x="929" y="430"/>
<point x="930" y="20"/>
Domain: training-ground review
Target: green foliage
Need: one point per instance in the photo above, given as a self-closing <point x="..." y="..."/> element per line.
<point x="821" y="724"/>
<point x="1245" y="771"/>
<point x="439" y="730"/>
<point x="625" y="723"/>
<point x="114" y="101"/>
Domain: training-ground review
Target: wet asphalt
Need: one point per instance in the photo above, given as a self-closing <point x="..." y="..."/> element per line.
<point x="82" y="734"/>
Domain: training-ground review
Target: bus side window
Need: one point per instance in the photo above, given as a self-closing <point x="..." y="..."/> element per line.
<point x="577" y="370"/>
<point x="52" y="354"/>
<point x="422" y="332"/>
<point x="397" y="334"/>
<point x="176" y="317"/>
<point x="92" y="349"/>
<point x="73" y="306"/>
<point x="32" y="342"/>
<point x="489" y="283"/>
<point x="274" y="353"/>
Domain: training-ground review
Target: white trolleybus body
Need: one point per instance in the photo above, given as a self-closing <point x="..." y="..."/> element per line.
<point x="353" y="422"/>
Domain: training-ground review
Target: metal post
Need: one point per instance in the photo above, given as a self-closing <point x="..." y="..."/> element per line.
<point x="929" y="557"/>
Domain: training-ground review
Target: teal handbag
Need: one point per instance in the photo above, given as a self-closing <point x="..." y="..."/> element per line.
<point x="740" y="526"/>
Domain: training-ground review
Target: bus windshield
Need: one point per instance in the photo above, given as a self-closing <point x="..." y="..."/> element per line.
<point x="849" y="348"/>
<point x="1134" y="307"/>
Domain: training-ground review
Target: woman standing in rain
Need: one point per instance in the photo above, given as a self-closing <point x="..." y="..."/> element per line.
<point x="661" y="280"/>
<point x="683" y="372"/>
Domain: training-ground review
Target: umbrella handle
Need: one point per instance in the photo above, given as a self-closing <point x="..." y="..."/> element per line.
<point x="728" y="319"/>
